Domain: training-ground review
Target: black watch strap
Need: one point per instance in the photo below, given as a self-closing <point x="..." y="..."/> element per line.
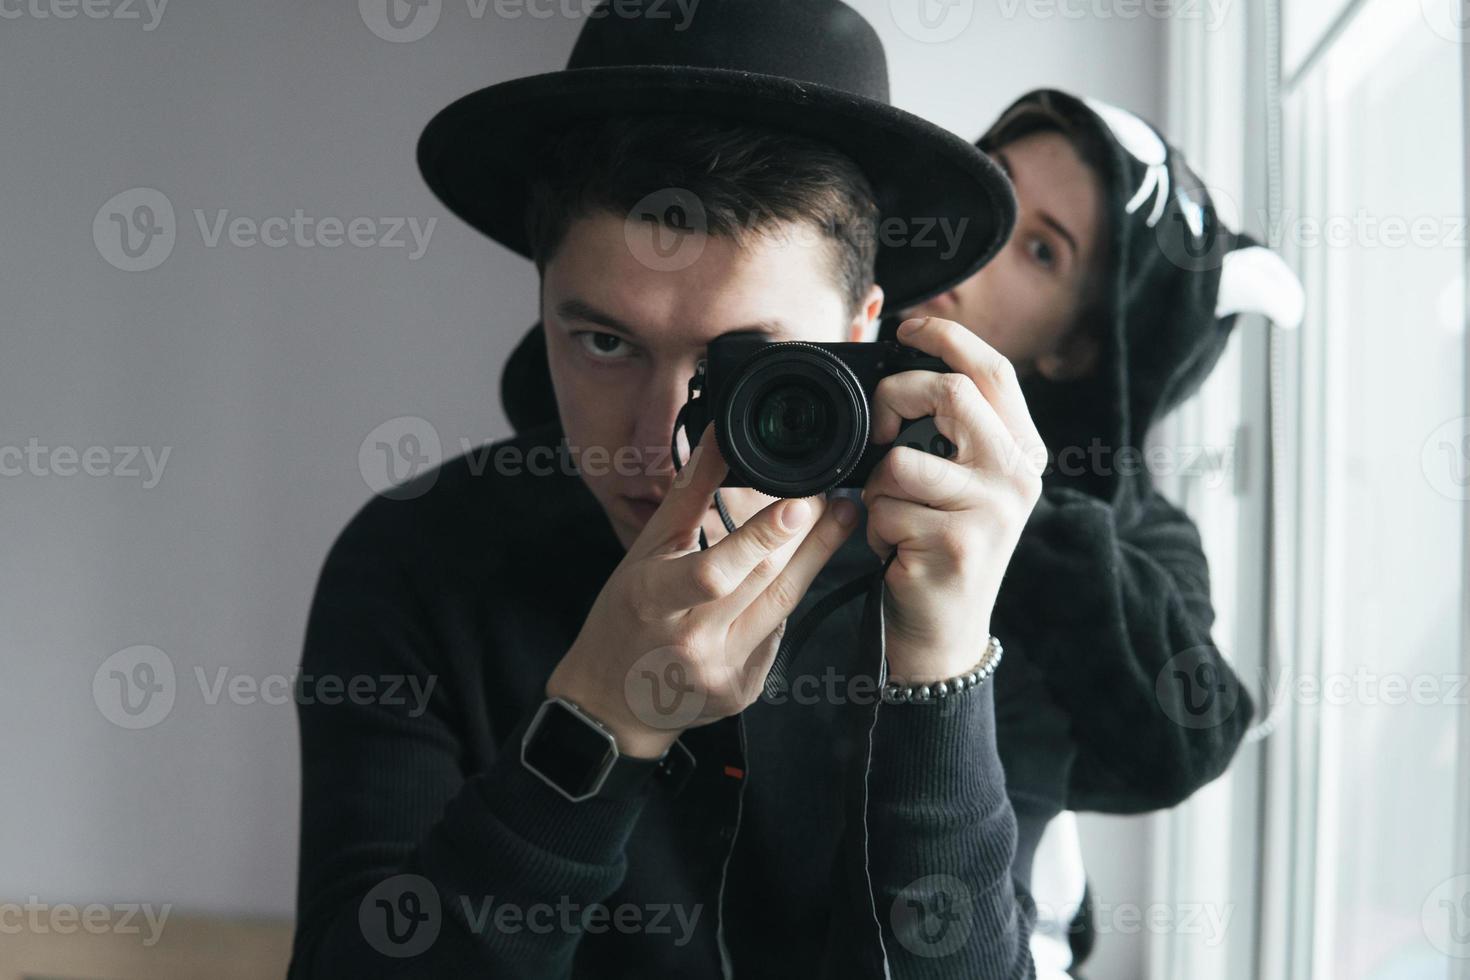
<point x="630" y="776"/>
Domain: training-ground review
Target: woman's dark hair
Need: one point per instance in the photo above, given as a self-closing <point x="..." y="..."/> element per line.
<point x="1097" y="153"/>
<point x="745" y="179"/>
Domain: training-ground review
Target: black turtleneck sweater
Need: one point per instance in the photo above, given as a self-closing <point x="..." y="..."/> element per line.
<point x="428" y="850"/>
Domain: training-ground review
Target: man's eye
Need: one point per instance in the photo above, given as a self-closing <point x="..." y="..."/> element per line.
<point x="604" y="346"/>
<point x="1042" y="252"/>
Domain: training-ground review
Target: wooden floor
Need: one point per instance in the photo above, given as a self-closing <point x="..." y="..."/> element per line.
<point x="187" y="948"/>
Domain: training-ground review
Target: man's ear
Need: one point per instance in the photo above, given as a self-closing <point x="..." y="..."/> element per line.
<point x="864" y="324"/>
<point x="1074" y="358"/>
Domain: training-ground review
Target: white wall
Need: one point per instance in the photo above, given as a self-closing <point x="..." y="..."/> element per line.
<point x="261" y="370"/>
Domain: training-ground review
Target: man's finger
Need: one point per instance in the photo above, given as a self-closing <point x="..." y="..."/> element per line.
<point x="968" y="354"/>
<point x="705" y="576"/>
<point x="777" y="600"/>
<point x="960" y="413"/>
<point x="679" y="516"/>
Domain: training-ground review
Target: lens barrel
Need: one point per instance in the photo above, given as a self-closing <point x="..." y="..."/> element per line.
<point x="794" y="419"/>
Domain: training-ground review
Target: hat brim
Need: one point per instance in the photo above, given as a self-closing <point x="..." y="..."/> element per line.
<point x="945" y="207"/>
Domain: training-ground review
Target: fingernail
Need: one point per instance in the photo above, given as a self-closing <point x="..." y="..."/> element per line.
<point x="909" y="326"/>
<point x="793" y="514"/>
<point x="846" y="512"/>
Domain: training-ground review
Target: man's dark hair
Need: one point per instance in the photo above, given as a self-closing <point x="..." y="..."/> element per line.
<point x="746" y="179"/>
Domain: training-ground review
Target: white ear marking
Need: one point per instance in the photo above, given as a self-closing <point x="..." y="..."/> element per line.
<point x="1257" y="280"/>
<point x="1140" y="140"/>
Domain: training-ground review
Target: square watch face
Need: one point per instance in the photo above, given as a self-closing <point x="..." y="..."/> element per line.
<point x="570" y="752"/>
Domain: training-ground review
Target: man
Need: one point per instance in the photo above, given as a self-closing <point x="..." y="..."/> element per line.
<point x="538" y="819"/>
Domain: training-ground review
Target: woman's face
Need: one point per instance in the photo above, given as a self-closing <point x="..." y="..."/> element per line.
<point x="1026" y="301"/>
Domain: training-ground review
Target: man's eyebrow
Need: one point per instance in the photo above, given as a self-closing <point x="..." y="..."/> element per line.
<point x="576" y="309"/>
<point x="1047" y="219"/>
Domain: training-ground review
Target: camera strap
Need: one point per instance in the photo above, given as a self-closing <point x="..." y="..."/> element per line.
<point x="871" y="633"/>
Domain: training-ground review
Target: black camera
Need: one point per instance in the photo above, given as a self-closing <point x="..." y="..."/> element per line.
<point x="793" y="418"/>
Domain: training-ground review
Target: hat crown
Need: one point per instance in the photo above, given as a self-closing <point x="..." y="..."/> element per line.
<point x="825" y="42"/>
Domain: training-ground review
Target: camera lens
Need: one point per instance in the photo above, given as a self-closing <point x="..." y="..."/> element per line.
<point x="793" y="420"/>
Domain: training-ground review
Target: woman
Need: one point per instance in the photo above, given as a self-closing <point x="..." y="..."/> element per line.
<point x="1113" y="299"/>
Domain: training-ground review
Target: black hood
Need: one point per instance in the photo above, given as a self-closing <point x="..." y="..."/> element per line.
<point x="1178" y="280"/>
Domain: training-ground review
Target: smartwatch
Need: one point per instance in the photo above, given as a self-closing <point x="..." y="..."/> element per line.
<point x="577" y="755"/>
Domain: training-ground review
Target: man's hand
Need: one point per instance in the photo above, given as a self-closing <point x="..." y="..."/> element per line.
<point x="955" y="522"/>
<point x="681" y="637"/>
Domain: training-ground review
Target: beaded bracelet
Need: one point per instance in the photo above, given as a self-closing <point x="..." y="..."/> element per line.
<point x="896" y="693"/>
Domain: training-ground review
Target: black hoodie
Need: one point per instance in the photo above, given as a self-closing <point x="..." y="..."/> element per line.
<point x="1106" y="602"/>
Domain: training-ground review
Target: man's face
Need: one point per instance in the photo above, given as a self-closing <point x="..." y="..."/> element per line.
<point x="623" y="338"/>
<point x="1026" y="301"/>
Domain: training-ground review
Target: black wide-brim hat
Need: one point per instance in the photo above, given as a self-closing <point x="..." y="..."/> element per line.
<point x="815" y="68"/>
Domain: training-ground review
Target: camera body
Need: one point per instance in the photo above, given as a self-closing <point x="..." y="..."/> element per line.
<point x="793" y="418"/>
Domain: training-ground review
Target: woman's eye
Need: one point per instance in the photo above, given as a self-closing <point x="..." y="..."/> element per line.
<point x="604" y="346"/>
<point x="1042" y="252"/>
